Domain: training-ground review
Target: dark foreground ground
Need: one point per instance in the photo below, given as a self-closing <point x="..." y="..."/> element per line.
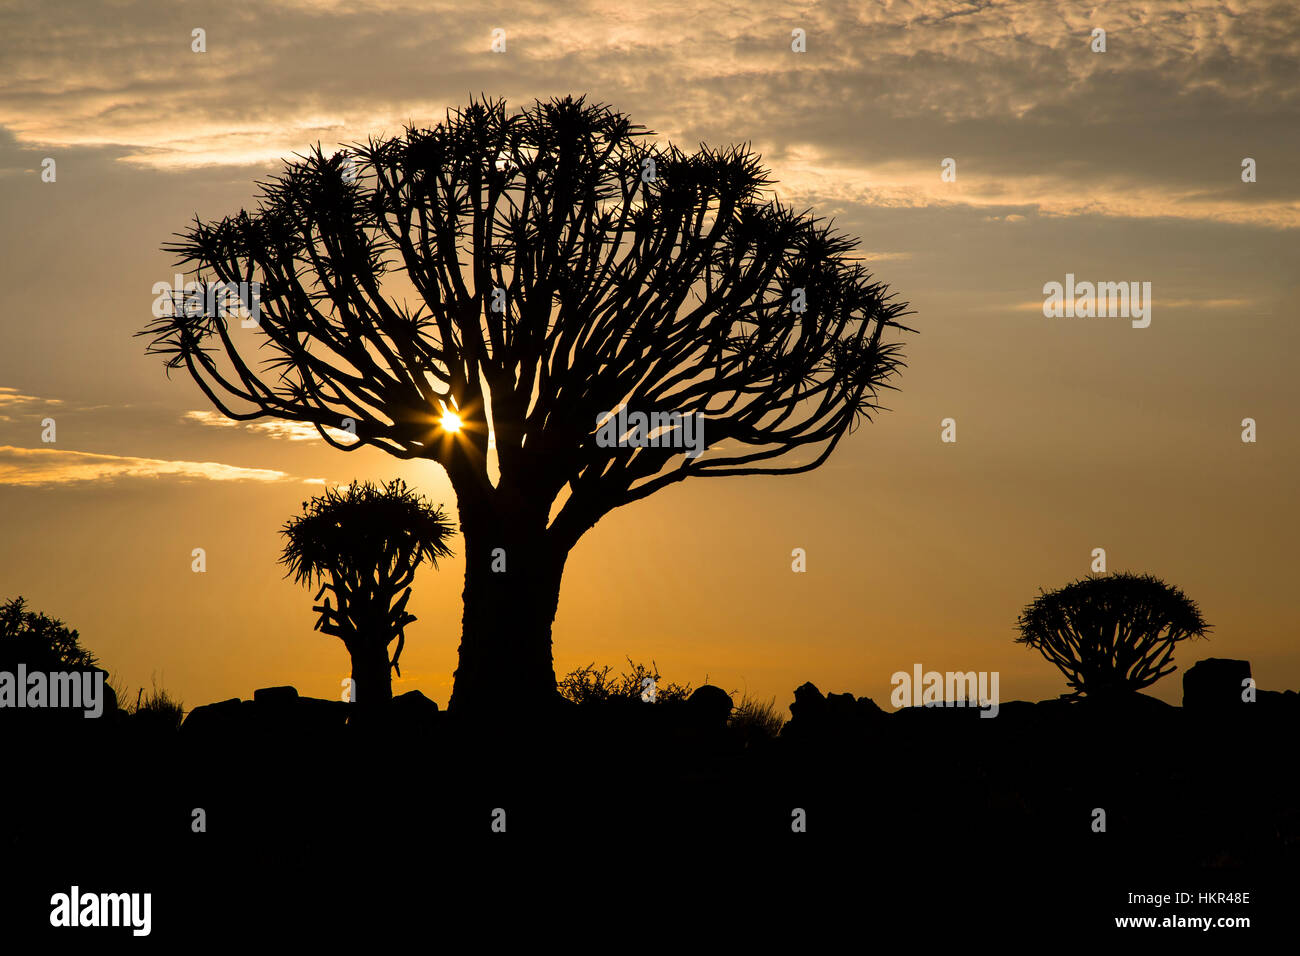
<point x="632" y="825"/>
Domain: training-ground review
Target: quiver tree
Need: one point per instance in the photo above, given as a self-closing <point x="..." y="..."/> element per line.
<point x="562" y="266"/>
<point x="363" y="543"/>
<point x="1111" y="635"/>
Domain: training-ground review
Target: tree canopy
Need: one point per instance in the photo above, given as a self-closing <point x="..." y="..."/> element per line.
<point x="1111" y="634"/>
<point x="364" y="531"/>
<point x="629" y="273"/>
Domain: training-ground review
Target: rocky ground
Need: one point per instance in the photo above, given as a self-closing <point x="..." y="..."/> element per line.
<point x="852" y="814"/>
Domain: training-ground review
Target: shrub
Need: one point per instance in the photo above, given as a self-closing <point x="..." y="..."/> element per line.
<point x="591" y="685"/>
<point x="39" y="641"/>
<point x="756" y="719"/>
<point x="159" y="709"/>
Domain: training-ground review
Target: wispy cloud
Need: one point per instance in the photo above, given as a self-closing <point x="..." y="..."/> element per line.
<point x="11" y="396"/>
<point x="291" y="431"/>
<point x="13" y="400"/>
<point x="1193" y="303"/>
<point x="52" y="466"/>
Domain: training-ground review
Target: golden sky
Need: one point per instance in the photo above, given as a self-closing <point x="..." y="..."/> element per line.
<point x="1073" y="434"/>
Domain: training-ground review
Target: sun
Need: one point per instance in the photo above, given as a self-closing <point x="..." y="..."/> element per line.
<point x="451" y="421"/>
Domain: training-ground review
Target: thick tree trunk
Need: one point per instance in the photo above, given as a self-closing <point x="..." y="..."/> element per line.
<point x="512" y="588"/>
<point x="372" y="679"/>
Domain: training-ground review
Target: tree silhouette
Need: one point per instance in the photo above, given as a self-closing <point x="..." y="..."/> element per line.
<point x="367" y="541"/>
<point x="1111" y="635"/>
<point x="40" y="641"/>
<point x="564" y="266"/>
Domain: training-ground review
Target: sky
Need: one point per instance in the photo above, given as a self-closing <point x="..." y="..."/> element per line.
<point x="1072" y="433"/>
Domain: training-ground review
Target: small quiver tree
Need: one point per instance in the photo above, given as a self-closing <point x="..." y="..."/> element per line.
<point x="1112" y="635"/>
<point x="363" y="543"/>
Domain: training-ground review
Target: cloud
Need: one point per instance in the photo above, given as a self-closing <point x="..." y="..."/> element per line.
<point x="819" y="180"/>
<point x="11" y="396"/>
<point x="885" y="90"/>
<point x="275" y="428"/>
<point x="883" y="256"/>
<point x="1193" y="303"/>
<point x="49" y="466"/>
<point x="13" y="400"/>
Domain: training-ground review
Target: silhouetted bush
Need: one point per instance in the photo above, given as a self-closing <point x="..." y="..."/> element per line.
<point x="757" y="720"/>
<point x="40" y="641"/>
<point x="1111" y="635"/>
<point x="590" y="685"/>
<point x="159" y="709"/>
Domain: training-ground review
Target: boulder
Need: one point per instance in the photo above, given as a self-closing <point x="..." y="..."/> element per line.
<point x="215" y="719"/>
<point x="1281" y="703"/>
<point x="276" y="696"/>
<point x="847" y="713"/>
<point x="814" y="715"/>
<point x="709" y="706"/>
<point x="1214" y="684"/>
<point x="808" y="710"/>
<point x="414" y="707"/>
<point x="316" y="713"/>
<point x="841" y="708"/>
<point x="869" y="709"/>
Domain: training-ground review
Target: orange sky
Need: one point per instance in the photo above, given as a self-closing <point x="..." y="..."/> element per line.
<point x="1072" y="433"/>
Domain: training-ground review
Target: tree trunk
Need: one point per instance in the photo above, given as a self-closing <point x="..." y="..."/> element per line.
<point x="512" y="588"/>
<point x="372" y="679"/>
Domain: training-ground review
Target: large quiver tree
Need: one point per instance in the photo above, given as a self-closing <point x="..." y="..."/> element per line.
<point x="561" y="266"/>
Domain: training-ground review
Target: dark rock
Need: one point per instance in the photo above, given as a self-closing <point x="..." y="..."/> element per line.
<point x="1127" y="703"/>
<point x="217" y="718"/>
<point x="807" y="713"/>
<point x="1280" y="702"/>
<point x="869" y="708"/>
<point x="1058" y="703"/>
<point x="1014" y="711"/>
<point x="813" y="715"/>
<point x="1021" y="708"/>
<point x="841" y="708"/>
<point x="709" y="706"/>
<point x="312" y="712"/>
<point x="276" y="696"/>
<point x="936" y="714"/>
<point x="1215" y="683"/>
<point x="845" y="713"/>
<point x="414" y="706"/>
